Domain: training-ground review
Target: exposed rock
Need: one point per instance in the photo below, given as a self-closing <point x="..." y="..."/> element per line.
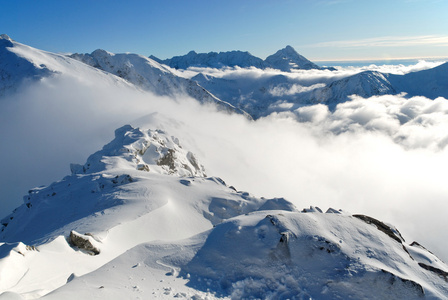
<point x="392" y="233"/>
<point x="83" y="242"/>
<point x="439" y="272"/>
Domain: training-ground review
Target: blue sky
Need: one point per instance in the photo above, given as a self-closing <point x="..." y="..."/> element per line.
<point x="318" y="29"/>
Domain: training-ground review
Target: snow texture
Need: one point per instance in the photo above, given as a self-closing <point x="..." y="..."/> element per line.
<point x="145" y="221"/>
<point x="151" y="76"/>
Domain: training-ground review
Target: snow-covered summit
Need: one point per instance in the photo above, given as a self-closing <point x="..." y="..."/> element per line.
<point x="21" y="65"/>
<point x="142" y="186"/>
<point x="287" y="59"/>
<point x="16" y="67"/>
<point x="4" y="36"/>
<point x="144" y="150"/>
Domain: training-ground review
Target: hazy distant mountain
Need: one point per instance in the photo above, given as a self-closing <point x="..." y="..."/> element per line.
<point x="286" y="59"/>
<point x="430" y="83"/>
<point x="364" y="84"/>
<point x="214" y="60"/>
<point x="259" y="96"/>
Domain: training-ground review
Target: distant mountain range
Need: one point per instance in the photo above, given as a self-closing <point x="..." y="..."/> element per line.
<point x="286" y="59"/>
<point x="245" y="95"/>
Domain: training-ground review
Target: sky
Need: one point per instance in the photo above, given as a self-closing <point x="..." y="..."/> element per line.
<point x="321" y="30"/>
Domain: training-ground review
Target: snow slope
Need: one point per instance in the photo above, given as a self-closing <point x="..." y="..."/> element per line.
<point x="365" y="84"/>
<point x="266" y="93"/>
<point x="15" y="69"/>
<point x="151" y="76"/>
<point x="159" y="227"/>
<point x="22" y="65"/>
<point x="143" y="186"/>
<point x="430" y="83"/>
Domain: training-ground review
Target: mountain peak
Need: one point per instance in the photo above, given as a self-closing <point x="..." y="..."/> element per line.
<point x="289" y="48"/>
<point x="5" y="37"/>
<point x="143" y="150"/>
<point x="287" y="59"/>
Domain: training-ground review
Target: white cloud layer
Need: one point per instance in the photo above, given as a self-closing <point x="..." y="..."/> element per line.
<point x="306" y="76"/>
<point x="384" y="156"/>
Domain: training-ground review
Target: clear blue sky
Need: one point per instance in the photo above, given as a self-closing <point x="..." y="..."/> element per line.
<point x="318" y="29"/>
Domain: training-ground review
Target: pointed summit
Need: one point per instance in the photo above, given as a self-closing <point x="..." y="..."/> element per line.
<point x="5" y="37"/>
<point x="287" y="59"/>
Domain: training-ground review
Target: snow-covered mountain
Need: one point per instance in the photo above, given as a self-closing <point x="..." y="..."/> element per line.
<point x="21" y="65"/>
<point x="430" y="83"/>
<point x="285" y="59"/>
<point x="261" y="95"/>
<point x="16" y="69"/>
<point x="141" y="219"/>
<point x="288" y="59"/>
<point x="214" y="60"/>
<point x="151" y="75"/>
<point x="365" y="84"/>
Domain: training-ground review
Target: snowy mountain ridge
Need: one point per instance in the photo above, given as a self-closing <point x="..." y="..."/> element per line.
<point x="261" y="96"/>
<point x="286" y="59"/>
<point x="143" y="209"/>
<point x="149" y="75"/>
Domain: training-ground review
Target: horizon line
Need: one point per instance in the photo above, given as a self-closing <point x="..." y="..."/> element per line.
<point x="381" y="59"/>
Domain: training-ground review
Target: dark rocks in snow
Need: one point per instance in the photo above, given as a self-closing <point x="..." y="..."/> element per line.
<point x="395" y="280"/>
<point x="392" y="233"/>
<point x="84" y="242"/>
<point x="435" y="270"/>
<point x="168" y="160"/>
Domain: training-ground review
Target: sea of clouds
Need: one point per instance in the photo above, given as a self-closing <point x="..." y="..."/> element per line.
<point x="384" y="156"/>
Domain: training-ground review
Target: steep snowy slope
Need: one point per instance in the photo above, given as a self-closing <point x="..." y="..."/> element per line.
<point x="214" y="60"/>
<point x="22" y="65"/>
<point x="430" y="83"/>
<point x="150" y="75"/>
<point x="364" y="84"/>
<point x="257" y="95"/>
<point x="16" y="69"/>
<point x="262" y="95"/>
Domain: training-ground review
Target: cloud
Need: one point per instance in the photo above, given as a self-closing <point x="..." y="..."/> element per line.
<point x="383" y="156"/>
